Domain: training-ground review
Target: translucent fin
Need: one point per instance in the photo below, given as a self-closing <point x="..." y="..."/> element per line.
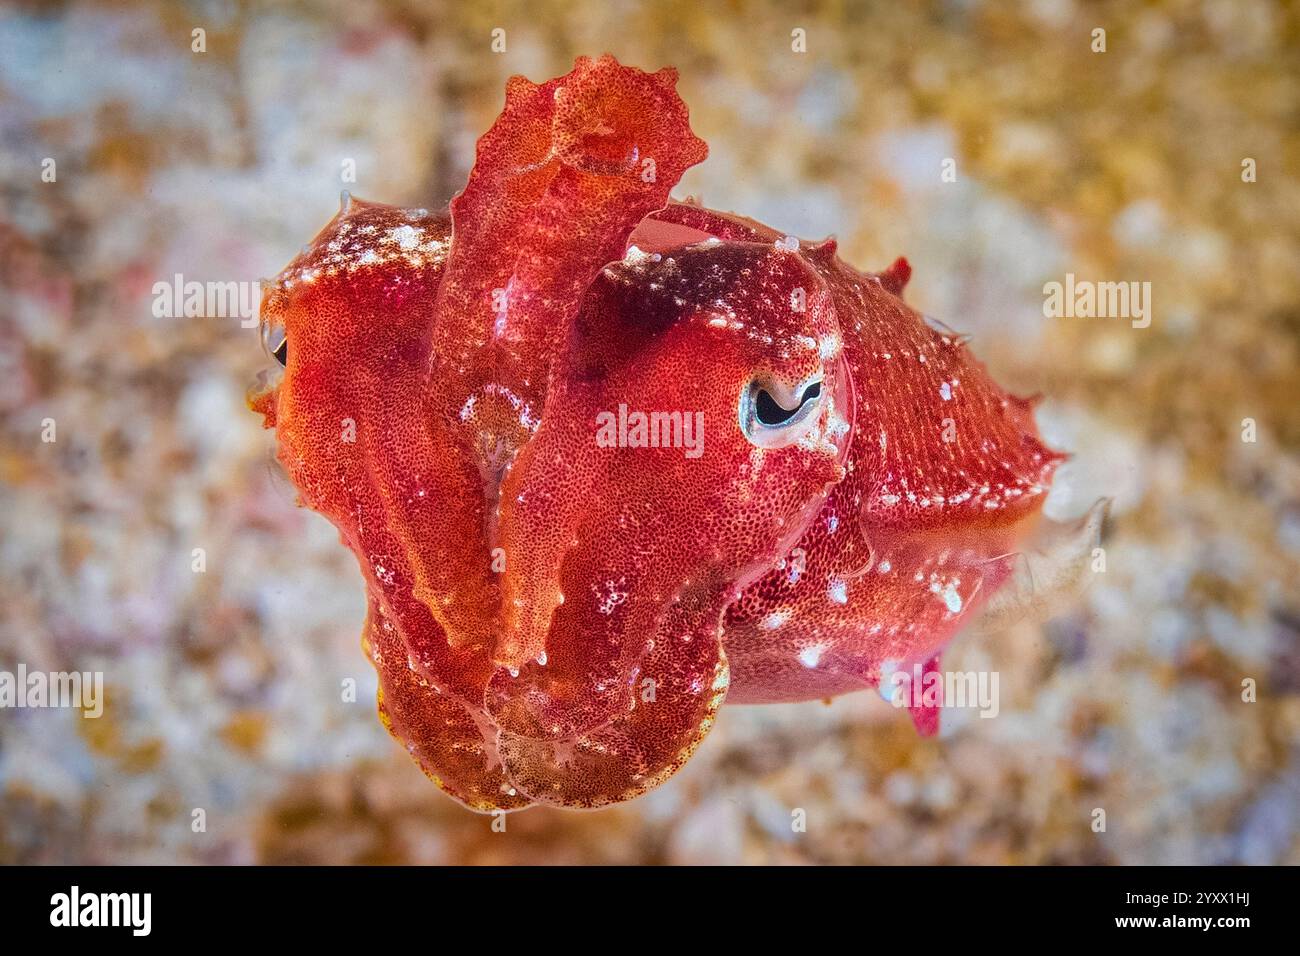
<point x="1052" y="571"/>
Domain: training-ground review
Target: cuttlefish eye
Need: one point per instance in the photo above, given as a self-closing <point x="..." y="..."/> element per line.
<point x="773" y="415"/>
<point x="276" y="342"/>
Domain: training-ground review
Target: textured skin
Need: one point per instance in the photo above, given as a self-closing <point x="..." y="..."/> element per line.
<point x="554" y="620"/>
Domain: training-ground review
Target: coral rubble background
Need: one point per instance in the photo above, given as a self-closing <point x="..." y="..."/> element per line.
<point x="224" y="686"/>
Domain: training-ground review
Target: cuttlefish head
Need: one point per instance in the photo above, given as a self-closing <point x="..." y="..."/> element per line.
<point x="694" y="428"/>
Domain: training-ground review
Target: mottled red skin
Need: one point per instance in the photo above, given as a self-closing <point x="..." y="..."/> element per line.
<point x="555" y="621"/>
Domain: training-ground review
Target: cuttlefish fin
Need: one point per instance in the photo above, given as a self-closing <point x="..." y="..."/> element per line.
<point x="1056" y="566"/>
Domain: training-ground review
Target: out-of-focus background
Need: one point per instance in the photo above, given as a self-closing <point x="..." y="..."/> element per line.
<point x="223" y="687"/>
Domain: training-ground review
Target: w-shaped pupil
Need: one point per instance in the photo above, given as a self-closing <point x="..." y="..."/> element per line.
<point x="771" y="413"/>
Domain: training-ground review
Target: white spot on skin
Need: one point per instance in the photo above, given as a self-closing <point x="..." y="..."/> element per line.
<point x="945" y="392"/>
<point x="610" y="596"/>
<point x="829" y="346"/>
<point x="406" y="237"/>
<point x="838" y="591"/>
<point x="951" y="599"/>
<point x="887" y="668"/>
<point x="775" y="620"/>
<point x="810" y="656"/>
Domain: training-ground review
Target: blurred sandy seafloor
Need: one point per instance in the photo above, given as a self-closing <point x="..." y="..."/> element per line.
<point x="223" y="687"/>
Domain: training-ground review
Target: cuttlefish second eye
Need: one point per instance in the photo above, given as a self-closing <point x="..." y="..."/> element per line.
<point x="276" y="342"/>
<point x="774" y="415"/>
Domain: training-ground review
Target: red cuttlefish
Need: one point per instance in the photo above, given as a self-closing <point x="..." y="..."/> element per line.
<point x="607" y="460"/>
